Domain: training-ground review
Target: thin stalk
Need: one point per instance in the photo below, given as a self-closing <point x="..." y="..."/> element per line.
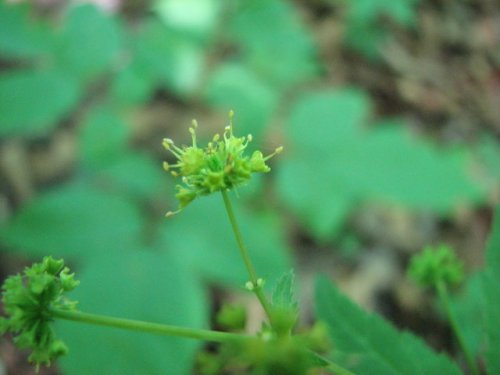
<point x="257" y="289"/>
<point x="141" y="326"/>
<point x="442" y="292"/>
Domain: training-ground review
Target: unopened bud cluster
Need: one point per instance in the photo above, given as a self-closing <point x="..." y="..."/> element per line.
<point x="436" y="265"/>
<point x="28" y="299"/>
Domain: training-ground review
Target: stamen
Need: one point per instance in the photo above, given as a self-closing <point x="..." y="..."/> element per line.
<point x="277" y="151"/>
<point x="172" y="213"/>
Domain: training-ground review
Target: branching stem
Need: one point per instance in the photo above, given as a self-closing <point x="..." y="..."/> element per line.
<point x="141" y="326"/>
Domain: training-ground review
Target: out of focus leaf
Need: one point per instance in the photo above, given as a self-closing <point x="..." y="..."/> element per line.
<point x="130" y="86"/>
<point x="32" y="102"/>
<point x="365" y="29"/>
<point x="202" y="237"/>
<point x="89" y="43"/>
<point x="105" y="154"/>
<point x="469" y="307"/>
<point x="253" y="100"/>
<point x="168" y="58"/>
<point x="193" y="17"/>
<point x="20" y="35"/>
<point x="333" y="163"/>
<point x="491" y="291"/>
<point x="369" y="345"/>
<point x="136" y="285"/>
<point x="275" y="44"/>
<point x="103" y="138"/>
<point x="135" y="174"/>
<point x="74" y="221"/>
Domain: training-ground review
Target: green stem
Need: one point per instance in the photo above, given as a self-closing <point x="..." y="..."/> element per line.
<point x="443" y="296"/>
<point x="257" y="289"/>
<point x="141" y="326"/>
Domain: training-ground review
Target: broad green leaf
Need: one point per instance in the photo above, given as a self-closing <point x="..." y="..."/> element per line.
<point x="130" y="86"/>
<point x="165" y="57"/>
<point x="141" y="285"/>
<point x="74" y="221"/>
<point x="103" y="138"/>
<point x="470" y="307"/>
<point x="32" y="102"/>
<point x="134" y="174"/>
<point x="193" y="17"/>
<point x="22" y="35"/>
<point x="107" y="156"/>
<point x="491" y="291"/>
<point x="232" y="86"/>
<point x="201" y="236"/>
<point x="368" y="345"/>
<point x="89" y="43"/>
<point x="369" y="11"/>
<point x="365" y="31"/>
<point x="284" y="293"/>
<point x="270" y="31"/>
<point x="334" y="162"/>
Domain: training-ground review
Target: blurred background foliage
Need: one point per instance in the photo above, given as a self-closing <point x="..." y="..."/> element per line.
<point x="388" y="110"/>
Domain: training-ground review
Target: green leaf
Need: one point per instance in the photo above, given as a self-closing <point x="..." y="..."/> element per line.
<point x="470" y="307"/>
<point x="106" y="155"/>
<point x="32" y="102"/>
<point x="21" y="36"/>
<point x="334" y="163"/>
<point x="284" y="293"/>
<point x="233" y="87"/>
<point x="491" y="291"/>
<point x="193" y="17"/>
<point x="74" y="221"/>
<point x="103" y="138"/>
<point x="367" y="344"/>
<point x="165" y="57"/>
<point x="134" y="174"/>
<point x="365" y="32"/>
<point x="202" y="238"/>
<point x="141" y="285"/>
<point x="90" y="42"/>
<point x="269" y="31"/>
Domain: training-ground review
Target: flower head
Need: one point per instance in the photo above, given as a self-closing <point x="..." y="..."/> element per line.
<point x="28" y="299"/>
<point x="221" y="165"/>
<point x="435" y="265"/>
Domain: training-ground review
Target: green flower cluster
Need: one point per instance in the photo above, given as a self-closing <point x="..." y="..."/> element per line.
<point x="221" y="165"/>
<point x="28" y="299"/>
<point x="436" y="265"/>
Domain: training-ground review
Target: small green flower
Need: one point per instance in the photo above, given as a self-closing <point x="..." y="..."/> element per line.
<point x="221" y="165"/>
<point x="436" y="265"/>
<point x="28" y="299"/>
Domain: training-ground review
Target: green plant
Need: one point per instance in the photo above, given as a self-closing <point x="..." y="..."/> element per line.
<point x="89" y="76"/>
<point x="362" y="343"/>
